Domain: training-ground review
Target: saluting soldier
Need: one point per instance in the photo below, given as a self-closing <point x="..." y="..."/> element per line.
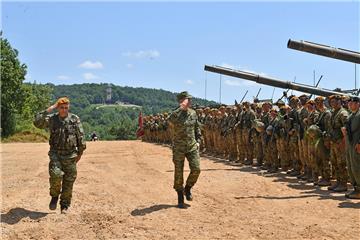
<point x="186" y="142"/>
<point x="67" y="144"/>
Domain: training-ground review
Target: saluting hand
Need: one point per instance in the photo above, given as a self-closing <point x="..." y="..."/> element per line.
<point x="78" y="158"/>
<point x="51" y="108"/>
<point x="357" y="148"/>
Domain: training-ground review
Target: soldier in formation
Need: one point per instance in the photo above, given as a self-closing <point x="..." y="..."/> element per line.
<point x="316" y="141"/>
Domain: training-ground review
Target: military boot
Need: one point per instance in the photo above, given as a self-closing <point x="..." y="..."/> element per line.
<point x="180" y="194"/>
<point x="64" y="209"/>
<point x="53" y="203"/>
<point x="354" y="194"/>
<point x="342" y="187"/>
<point x="248" y="162"/>
<point x="324" y="182"/>
<point x="335" y="185"/>
<point x="187" y="192"/>
<point x="295" y="173"/>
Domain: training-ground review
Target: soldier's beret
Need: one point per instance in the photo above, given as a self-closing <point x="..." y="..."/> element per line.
<point x="183" y="95"/>
<point x="63" y="100"/>
<point x="355" y="99"/>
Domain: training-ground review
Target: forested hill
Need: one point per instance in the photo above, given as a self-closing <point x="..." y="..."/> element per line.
<point x="151" y="100"/>
<point x="116" y="119"/>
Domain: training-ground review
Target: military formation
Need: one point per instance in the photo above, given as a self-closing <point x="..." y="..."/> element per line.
<point x="316" y="140"/>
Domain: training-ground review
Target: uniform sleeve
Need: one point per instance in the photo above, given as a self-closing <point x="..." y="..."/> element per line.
<point x="42" y="120"/>
<point x="344" y="118"/>
<point x="81" y="144"/>
<point x="197" y="130"/>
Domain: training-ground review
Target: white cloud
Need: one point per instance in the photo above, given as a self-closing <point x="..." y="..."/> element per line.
<point x="90" y="76"/>
<point x="152" y="54"/>
<point x="63" y="77"/>
<point x="91" y="65"/>
<point x="129" y="65"/>
<point x="189" y="82"/>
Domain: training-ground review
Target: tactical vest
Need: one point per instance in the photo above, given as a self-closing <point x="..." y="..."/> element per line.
<point x="63" y="134"/>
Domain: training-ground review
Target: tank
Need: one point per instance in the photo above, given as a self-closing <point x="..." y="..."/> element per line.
<point x="324" y="50"/>
<point x="273" y="81"/>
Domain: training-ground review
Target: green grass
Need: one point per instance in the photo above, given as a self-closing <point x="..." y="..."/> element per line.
<point x="27" y="136"/>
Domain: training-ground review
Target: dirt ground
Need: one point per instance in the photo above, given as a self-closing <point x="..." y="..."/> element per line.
<point x="124" y="191"/>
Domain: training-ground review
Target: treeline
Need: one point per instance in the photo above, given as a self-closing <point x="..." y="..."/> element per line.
<point x="19" y="101"/>
<point x="111" y="120"/>
<point x="115" y="120"/>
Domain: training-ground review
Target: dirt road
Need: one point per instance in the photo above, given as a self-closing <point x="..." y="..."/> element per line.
<point x="124" y="190"/>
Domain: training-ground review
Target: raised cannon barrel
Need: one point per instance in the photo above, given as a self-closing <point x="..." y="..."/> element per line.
<point x="272" y="81"/>
<point x="323" y="50"/>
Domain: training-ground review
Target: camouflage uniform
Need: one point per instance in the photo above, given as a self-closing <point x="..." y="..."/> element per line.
<point x="247" y="118"/>
<point x="353" y="157"/>
<point x="67" y="142"/>
<point x="337" y="148"/>
<point x="323" y="164"/>
<point x="187" y="135"/>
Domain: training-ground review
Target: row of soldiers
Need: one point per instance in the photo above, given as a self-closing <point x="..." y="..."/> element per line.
<point x="304" y="138"/>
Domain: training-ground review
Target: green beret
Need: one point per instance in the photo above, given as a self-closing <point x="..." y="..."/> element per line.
<point x="183" y="95"/>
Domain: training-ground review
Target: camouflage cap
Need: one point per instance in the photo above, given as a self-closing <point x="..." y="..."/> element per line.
<point x="274" y="109"/>
<point x="310" y="102"/>
<point x="303" y="96"/>
<point x="336" y="97"/>
<point x="63" y="100"/>
<point x="183" y="95"/>
<point x="294" y="99"/>
<point x="280" y="103"/>
<point x="319" y="99"/>
<point x="345" y="98"/>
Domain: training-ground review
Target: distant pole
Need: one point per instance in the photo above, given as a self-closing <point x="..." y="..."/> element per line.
<point x="314" y="77"/>
<point x="220" y="90"/>
<point x="293" y="82"/>
<point x="205" y="84"/>
<point x="355" y="77"/>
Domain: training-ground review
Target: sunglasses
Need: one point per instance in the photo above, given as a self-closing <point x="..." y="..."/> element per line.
<point x="64" y="108"/>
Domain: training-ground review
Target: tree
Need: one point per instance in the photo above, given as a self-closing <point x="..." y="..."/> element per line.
<point x="12" y="94"/>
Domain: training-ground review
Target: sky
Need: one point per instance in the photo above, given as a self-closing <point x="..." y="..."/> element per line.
<point x="166" y="45"/>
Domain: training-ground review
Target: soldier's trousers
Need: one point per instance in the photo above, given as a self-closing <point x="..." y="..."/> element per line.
<point x="248" y="145"/>
<point x="338" y="161"/>
<point x="193" y="158"/>
<point x="62" y="173"/>
<point x="353" y="165"/>
<point x="240" y="145"/>
<point x="294" y="154"/>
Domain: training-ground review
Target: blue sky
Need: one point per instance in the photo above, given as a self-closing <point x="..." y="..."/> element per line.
<point x="165" y="45"/>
